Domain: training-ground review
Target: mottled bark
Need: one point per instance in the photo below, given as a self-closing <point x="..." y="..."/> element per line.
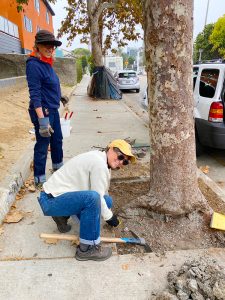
<point x="95" y="10"/>
<point x="168" y="44"/>
<point x="96" y="46"/>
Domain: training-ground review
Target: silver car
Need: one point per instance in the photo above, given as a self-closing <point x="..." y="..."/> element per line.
<point x="128" y="80"/>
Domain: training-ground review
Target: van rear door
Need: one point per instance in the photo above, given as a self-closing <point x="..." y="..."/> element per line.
<point x="207" y="89"/>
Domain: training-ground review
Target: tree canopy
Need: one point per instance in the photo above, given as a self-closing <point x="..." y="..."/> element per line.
<point x="101" y="23"/>
<point x="203" y="42"/>
<point x="118" y="19"/>
<point x="217" y="38"/>
<point x="81" y="52"/>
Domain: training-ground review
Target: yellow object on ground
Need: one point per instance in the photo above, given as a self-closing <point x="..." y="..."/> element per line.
<point x="217" y="221"/>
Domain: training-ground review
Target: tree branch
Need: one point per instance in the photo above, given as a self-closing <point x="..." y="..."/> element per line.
<point x="103" y="6"/>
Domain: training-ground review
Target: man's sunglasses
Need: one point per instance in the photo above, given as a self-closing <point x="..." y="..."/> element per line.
<point x="122" y="157"/>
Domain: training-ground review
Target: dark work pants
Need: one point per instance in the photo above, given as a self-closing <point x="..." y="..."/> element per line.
<point x="42" y="143"/>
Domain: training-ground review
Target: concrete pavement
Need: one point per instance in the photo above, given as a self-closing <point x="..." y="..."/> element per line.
<point x="121" y="277"/>
<point x="33" y="269"/>
<point x="94" y="124"/>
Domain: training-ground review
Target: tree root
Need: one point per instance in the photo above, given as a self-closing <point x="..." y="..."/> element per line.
<point x="157" y="209"/>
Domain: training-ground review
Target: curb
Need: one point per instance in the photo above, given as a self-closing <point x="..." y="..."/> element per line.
<point x="218" y="195"/>
<point x="137" y="110"/>
<point x="13" y="183"/>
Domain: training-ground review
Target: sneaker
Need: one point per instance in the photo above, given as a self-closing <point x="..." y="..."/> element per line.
<point x="95" y="252"/>
<point x="39" y="186"/>
<point x="61" y="223"/>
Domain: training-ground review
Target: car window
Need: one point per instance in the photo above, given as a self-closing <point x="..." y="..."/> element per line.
<point x="127" y="75"/>
<point x="208" y="82"/>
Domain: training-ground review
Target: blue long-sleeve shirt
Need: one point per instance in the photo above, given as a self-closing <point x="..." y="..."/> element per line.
<point x="43" y="83"/>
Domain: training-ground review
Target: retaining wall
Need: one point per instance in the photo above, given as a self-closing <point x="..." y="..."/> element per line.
<point x="14" y="65"/>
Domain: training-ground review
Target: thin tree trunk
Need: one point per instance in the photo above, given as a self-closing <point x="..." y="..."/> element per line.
<point x="168" y="45"/>
<point x="94" y="33"/>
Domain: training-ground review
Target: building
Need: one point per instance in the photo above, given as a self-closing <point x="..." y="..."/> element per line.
<point x="114" y="63"/>
<point x="18" y="29"/>
<point x="132" y="52"/>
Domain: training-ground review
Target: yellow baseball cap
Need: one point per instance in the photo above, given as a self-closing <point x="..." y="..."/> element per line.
<point x="124" y="147"/>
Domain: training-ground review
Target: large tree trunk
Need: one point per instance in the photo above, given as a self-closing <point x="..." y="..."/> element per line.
<point x="168" y="44"/>
<point x="96" y="46"/>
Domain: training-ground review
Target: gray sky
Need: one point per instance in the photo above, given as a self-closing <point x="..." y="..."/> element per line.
<point x="216" y="10"/>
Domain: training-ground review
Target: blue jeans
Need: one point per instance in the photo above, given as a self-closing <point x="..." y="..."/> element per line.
<point x="85" y="204"/>
<point x="109" y="203"/>
<point x="42" y="143"/>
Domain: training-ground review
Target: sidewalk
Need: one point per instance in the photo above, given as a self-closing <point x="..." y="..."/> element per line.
<point x="33" y="269"/>
<point x="88" y="131"/>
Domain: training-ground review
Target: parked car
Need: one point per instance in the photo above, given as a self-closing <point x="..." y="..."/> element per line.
<point x="209" y="97"/>
<point x="127" y="80"/>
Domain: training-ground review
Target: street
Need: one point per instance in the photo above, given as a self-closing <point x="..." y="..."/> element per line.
<point x="212" y="161"/>
<point x="137" y="97"/>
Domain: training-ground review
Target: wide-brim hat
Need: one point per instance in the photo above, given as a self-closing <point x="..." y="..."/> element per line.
<point x="124" y="147"/>
<point x="46" y="37"/>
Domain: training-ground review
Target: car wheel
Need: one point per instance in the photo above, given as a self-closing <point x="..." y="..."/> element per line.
<point x="137" y="91"/>
<point x="198" y="145"/>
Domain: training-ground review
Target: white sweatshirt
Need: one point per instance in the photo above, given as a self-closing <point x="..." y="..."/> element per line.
<point x="86" y="171"/>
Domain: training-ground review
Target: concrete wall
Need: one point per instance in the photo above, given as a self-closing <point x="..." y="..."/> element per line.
<point x="13" y="65"/>
<point x="15" y="82"/>
<point x="66" y="70"/>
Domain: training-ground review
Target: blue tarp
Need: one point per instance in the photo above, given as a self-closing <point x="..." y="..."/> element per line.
<point x="103" y="85"/>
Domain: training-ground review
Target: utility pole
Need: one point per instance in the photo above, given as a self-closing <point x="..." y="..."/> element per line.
<point x="200" y="55"/>
<point x="206" y="15"/>
<point x="138" y="59"/>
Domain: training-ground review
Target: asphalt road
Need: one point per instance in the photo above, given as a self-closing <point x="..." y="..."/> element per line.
<point x="212" y="161"/>
<point x="137" y="97"/>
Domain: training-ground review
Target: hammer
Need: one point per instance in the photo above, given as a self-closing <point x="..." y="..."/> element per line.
<point x="72" y="237"/>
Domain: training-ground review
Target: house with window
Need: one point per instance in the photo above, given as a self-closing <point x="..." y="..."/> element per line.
<point x="18" y="29"/>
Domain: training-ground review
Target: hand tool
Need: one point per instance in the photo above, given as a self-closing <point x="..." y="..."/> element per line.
<point x="146" y="246"/>
<point x="217" y="221"/>
<point x="72" y="237"/>
<point x="71" y="115"/>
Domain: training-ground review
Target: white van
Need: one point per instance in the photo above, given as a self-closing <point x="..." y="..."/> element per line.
<point x="209" y="96"/>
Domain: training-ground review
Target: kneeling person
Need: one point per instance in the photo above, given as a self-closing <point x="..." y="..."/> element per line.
<point x="80" y="187"/>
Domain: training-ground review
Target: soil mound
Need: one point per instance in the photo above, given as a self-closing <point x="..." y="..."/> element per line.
<point x="197" y="280"/>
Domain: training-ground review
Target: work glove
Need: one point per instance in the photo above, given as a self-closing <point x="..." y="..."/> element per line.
<point x="45" y="129"/>
<point x="114" y="222"/>
<point x="64" y="100"/>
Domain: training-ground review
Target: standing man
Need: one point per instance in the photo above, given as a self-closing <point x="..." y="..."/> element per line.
<point x="80" y="188"/>
<point x="45" y="95"/>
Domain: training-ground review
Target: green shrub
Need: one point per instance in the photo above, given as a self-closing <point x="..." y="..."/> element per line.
<point x="79" y="70"/>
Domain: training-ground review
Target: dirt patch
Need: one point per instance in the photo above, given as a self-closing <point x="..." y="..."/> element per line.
<point x="163" y="233"/>
<point x="132" y="171"/>
<point x="14" y="126"/>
